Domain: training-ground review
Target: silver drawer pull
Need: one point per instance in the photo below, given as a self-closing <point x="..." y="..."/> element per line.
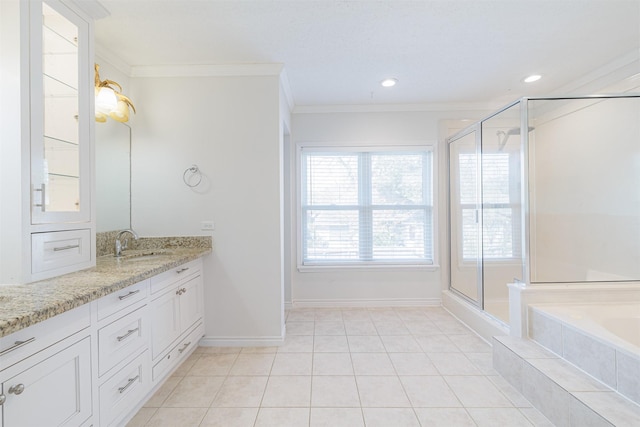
<point x="182" y="270"/>
<point x="16" y="389"/>
<point x="130" y="294"/>
<point x="128" y="334"/>
<point x="17" y="345"/>
<point x="129" y="384"/>
<point x="65" y="248"/>
<point x="184" y="347"/>
<point x="3" y="399"/>
<point x="179" y="292"/>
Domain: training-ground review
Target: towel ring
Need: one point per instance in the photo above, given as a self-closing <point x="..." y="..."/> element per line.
<point x="194" y="170"/>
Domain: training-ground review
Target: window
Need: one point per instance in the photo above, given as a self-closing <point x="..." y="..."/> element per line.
<point x="500" y="205"/>
<point x="366" y="206"/>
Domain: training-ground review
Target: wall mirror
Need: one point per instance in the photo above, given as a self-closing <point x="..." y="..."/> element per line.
<point x="113" y="176"/>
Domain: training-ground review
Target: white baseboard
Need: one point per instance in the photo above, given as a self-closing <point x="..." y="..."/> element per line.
<point x="342" y="303"/>
<point x="266" y="341"/>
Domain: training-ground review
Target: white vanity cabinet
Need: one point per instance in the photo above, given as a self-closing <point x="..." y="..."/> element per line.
<point x="176" y="315"/>
<point x="61" y="143"/>
<point x="123" y="363"/>
<point x="46" y="379"/>
<point x="93" y="365"/>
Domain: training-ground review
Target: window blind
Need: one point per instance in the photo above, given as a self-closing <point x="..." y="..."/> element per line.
<point x="500" y="197"/>
<point x="361" y="207"/>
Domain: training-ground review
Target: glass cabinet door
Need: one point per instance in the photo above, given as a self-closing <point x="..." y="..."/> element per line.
<point x="60" y="139"/>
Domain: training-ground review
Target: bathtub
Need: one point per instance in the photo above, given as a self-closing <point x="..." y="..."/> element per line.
<point x="601" y="339"/>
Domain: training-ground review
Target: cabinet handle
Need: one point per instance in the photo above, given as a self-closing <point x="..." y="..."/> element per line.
<point x="130" y="294"/>
<point x="129" y="384"/>
<point x="184" y="347"/>
<point x="184" y="290"/>
<point x="16" y="389"/>
<point x="64" y="248"/>
<point x="129" y="332"/>
<point x="179" y="292"/>
<point x="182" y="270"/>
<point x="3" y="399"/>
<point x="42" y="192"/>
<point x="17" y="345"/>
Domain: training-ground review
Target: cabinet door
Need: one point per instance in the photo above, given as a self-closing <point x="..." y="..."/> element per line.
<point x="61" y="118"/>
<point x="190" y="302"/>
<point x="54" y="392"/>
<point x="165" y="321"/>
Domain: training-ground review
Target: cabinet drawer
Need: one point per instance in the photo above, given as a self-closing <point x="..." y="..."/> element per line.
<point x="59" y="249"/>
<point x="122" y="299"/>
<point x="169" y="277"/>
<point x="122" y="392"/>
<point x="28" y="341"/>
<point x="121" y="339"/>
<point x="177" y="353"/>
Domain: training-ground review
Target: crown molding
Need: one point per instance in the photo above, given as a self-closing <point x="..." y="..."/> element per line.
<point x="622" y="68"/>
<point x="207" y="70"/>
<point x="386" y="108"/>
<point x="104" y="54"/>
<point x="92" y="8"/>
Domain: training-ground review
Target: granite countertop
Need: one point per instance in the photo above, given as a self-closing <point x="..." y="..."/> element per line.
<point x="25" y="305"/>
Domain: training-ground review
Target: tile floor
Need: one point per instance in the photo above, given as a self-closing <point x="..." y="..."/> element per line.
<point x="346" y="367"/>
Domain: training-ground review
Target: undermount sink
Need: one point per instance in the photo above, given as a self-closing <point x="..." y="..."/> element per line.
<point x="144" y="256"/>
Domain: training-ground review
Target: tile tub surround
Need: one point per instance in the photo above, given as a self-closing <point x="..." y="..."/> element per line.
<point x="25" y="305"/>
<point x="562" y="392"/>
<point x="569" y="332"/>
<point x="346" y="367"/>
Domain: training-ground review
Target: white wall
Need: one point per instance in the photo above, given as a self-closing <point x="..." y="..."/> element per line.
<point x="585" y="203"/>
<point x="14" y="142"/>
<point x="231" y="128"/>
<point x="379" y="286"/>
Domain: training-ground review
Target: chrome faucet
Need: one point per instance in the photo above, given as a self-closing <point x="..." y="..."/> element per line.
<point x="122" y="246"/>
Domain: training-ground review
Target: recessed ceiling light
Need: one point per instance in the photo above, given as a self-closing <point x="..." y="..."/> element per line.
<point x="389" y="82"/>
<point x="532" y="78"/>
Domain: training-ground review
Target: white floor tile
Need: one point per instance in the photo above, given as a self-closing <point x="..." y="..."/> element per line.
<point x="332" y="364"/>
<point x="336" y="417"/>
<point x="429" y="392"/>
<point x="381" y="392"/>
<point x="287" y="392"/>
<point x="390" y="417"/>
<point x="292" y="364"/>
<point x="230" y="417"/>
<point x="444" y="417"/>
<point x="330" y="344"/>
<point x="282" y="417"/>
<point x="491" y="417"/>
<point x="334" y="392"/>
<point x="346" y="367"/>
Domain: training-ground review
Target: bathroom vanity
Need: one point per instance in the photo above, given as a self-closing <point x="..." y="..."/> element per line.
<point x="89" y="348"/>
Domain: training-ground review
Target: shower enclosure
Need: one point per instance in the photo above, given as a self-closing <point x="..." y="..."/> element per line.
<point x="545" y="191"/>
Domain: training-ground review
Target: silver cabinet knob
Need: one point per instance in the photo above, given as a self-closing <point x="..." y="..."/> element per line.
<point x="16" y="389"/>
<point x="3" y="398"/>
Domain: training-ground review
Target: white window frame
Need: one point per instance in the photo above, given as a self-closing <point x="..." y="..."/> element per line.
<point x="367" y="147"/>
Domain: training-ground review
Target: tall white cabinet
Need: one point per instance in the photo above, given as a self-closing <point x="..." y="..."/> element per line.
<point x="49" y="149"/>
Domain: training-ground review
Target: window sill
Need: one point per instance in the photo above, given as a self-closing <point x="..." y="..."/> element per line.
<point x="366" y="267"/>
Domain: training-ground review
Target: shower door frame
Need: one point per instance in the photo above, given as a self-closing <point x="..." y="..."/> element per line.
<point x="477" y="129"/>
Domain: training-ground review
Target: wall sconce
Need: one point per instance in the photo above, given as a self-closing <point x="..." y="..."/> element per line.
<point x="109" y="101"/>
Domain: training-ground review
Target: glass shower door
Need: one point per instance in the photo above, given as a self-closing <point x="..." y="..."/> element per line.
<point x="465" y="218"/>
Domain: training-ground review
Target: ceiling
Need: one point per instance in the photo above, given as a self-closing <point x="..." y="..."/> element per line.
<point x="336" y="52"/>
